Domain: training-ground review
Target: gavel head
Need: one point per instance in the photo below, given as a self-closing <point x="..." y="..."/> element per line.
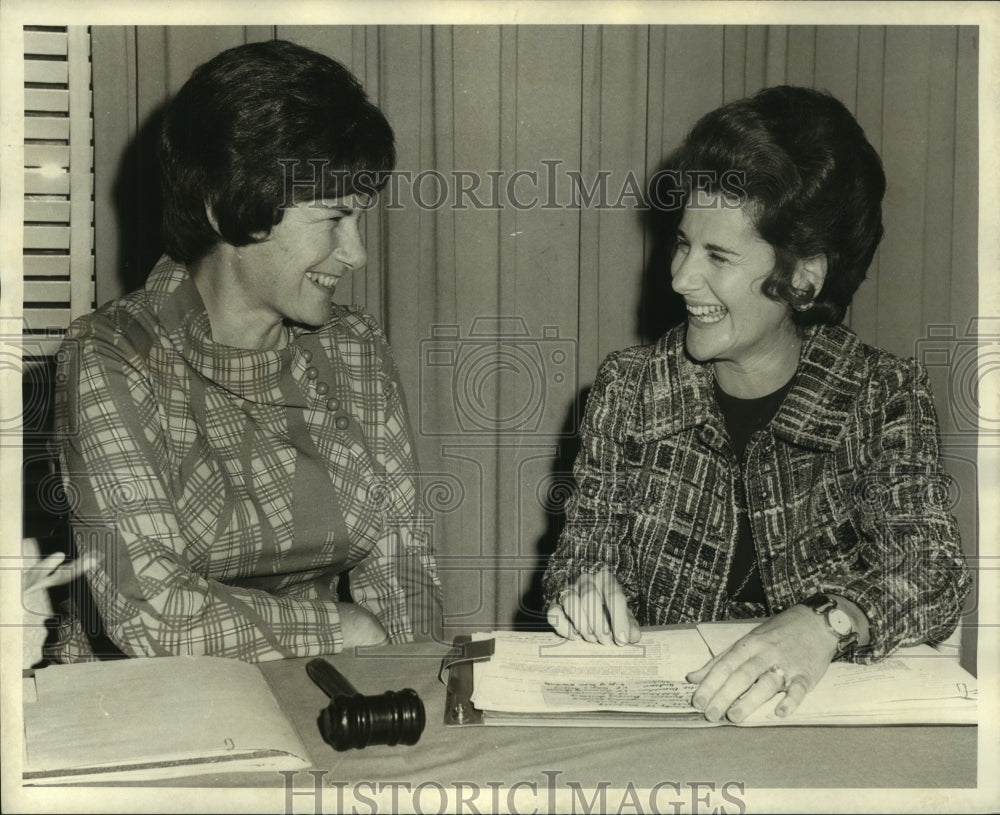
<point x="355" y="721"/>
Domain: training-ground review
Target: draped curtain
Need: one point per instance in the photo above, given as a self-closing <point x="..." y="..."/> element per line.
<point x="510" y="254"/>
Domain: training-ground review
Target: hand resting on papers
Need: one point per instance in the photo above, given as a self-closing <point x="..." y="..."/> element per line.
<point x="595" y="608"/>
<point x="741" y="679"/>
<point x="736" y="682"/>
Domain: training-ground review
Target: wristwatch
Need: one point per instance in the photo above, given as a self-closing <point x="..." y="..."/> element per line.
<point x="837" y="620"/>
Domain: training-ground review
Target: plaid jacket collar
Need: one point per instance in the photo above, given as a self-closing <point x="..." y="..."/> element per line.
<point x="831" y="372"/>
<point x="256" y="376"/>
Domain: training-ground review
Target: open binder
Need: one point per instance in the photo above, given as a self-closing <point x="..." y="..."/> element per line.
<point x="537" y="678"/>
<point x="151" y="718"/>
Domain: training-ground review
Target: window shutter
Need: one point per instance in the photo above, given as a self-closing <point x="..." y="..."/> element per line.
<point x="58" y="184"/>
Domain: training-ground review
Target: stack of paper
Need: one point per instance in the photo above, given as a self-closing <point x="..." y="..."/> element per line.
<point x="541" y="676"/>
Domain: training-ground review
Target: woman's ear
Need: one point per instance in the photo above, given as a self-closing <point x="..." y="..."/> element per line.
<point x="210" y="214"/>
<point x="810" y="274"/>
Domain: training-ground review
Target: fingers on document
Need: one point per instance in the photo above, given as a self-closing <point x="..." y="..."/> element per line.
<point x="767" y="686"/>
<point x="702" y="672"/>
<point x="735" y="688"/>
<point x="596" y="609"/>
<point x="797" y="690"/>
<point x="560" y="622"/>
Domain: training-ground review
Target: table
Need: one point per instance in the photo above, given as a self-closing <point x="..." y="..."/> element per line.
<point x="540" y="769"/>
<point x="759" y="757"/>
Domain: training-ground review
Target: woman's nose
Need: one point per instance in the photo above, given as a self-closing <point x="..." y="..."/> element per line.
<point x="684" y="275"/>
<point x="351" y="248"/>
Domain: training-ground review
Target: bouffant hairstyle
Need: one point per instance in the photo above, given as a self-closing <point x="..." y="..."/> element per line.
<point x="258" y="128"/>
<point x="809" y="179"/>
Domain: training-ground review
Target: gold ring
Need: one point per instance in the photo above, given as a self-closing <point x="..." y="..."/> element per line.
<point x="777" y="669"/>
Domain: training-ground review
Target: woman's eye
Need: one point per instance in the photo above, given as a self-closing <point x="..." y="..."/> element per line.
<point x="717" y="258"/>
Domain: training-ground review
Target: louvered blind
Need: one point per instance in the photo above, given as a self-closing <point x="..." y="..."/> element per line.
<point x="58" y="184"/>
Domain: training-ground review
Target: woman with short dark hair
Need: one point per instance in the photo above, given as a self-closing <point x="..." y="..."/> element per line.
<point x="759" y="460"/>
<point x="256" y="129"/>
<point x="236" y="443"/>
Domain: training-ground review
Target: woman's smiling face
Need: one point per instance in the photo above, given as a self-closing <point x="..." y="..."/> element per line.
<point x="293" y="272"/>
<point x="719" y="265"/>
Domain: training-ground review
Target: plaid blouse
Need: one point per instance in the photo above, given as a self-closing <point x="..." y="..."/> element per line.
<point x="844" y="491"/>
<point x="227" y="491"/>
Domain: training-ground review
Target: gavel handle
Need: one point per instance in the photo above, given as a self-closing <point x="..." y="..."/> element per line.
<point x="332" y="681"/>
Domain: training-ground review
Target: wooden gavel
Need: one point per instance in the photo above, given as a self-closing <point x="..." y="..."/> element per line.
<point x="355" y="721"/>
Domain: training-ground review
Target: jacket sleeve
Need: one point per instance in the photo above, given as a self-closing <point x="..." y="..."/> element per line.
<point x="398" y="580"/>
<point x="910" y="577"/>
<point x="116" y="475"/>
<point x="595" y="534"/>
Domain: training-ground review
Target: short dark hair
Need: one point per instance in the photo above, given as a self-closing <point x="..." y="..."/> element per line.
<point x="250" y="123"/>
<point x="812" y="182"/>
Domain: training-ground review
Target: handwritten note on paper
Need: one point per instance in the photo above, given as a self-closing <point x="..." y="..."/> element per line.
<point x="655" y="695"/>
<point x="536" y="672"/>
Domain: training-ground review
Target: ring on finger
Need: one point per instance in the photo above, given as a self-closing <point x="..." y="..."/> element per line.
<point x="778" y="671"/>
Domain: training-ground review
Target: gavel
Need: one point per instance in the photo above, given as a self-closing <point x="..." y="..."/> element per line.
<point x="355" y="721"/>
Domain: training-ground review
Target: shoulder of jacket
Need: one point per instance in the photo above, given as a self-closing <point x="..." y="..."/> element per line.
<point x="879" y="375"/>
<point x="628" y="363"/>
<point x="126" y="323"/>
<point x="885" y="370"/>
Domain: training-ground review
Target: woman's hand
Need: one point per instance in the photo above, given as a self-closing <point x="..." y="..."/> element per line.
<point x="36" y="606"/>
<point x="359" y="627"/>
<point x="594" y="607"/>
<point x="790" y="651"/>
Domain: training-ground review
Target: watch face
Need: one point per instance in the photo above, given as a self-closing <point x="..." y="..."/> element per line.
<point x="839" y="621"/>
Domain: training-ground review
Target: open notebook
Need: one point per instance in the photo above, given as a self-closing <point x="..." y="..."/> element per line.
<point x="145" y="719"/>
<point x="539" y="678"/>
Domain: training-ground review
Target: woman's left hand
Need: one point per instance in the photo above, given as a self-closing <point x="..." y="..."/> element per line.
<point x="790" y="651"/>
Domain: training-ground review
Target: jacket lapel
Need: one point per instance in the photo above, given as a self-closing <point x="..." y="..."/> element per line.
<point x="678" y="390"/>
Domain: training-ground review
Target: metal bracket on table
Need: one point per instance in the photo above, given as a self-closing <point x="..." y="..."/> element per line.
<point x="458" y="708"/>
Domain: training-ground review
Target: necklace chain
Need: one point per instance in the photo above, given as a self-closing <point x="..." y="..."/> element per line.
<point x="734" y="594"/>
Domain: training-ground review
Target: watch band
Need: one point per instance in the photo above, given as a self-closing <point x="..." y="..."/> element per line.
<point x="820" y="603"/>
<point x="825" y="604"/>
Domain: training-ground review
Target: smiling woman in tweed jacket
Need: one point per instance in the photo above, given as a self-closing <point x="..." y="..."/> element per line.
<point x="236" y="445"/>
<point x="759" y="460"/>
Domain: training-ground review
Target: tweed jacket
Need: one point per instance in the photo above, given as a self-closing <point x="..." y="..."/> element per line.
<point x="843" y="489"/>
<point x="226" y="491"/>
